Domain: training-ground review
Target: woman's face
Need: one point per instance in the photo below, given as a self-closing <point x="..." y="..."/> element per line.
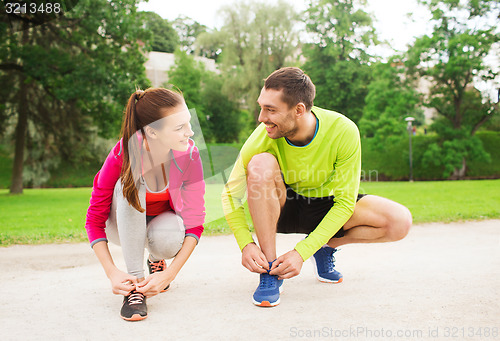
<point x="174" y="130"/>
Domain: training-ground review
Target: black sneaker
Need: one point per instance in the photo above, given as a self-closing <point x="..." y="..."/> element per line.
<point x="156" y="267"/>
<point x="134" y="307"/>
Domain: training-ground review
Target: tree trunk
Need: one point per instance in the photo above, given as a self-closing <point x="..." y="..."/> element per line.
<point x="21" y="130"/>
<point x="459" y="173"/>
<point x="16" y="186"/>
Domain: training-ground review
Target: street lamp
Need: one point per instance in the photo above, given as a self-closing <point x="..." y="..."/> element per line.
<point x="410" y="133"/>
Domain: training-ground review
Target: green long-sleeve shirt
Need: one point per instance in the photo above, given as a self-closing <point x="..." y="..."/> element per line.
<point x="329" y="165"/>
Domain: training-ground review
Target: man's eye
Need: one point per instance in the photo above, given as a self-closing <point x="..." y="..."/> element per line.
<point x="180" y="128"/>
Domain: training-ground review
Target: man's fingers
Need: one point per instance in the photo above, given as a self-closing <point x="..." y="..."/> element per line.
<point x="280" y="270"/>
<point x="261" y="261"/>
<point x="255" y="267"/>
<point x="276" y="263"/>
<point x="288" y="275"/>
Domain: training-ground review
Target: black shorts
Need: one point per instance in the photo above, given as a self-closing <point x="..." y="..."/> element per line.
<point x="302" y="214"/>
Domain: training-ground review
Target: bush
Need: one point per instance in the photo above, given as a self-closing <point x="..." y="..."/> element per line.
<point x="392" y="162"/>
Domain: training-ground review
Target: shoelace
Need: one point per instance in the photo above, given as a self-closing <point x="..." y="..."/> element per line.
<point x="135" y="298"/>
<point x="330" y="260"/>
<point x="266" y="281"/>
<point x="157" y="266"/>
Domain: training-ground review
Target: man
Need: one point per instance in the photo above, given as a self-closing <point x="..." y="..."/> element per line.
<point x="301" y="170"/>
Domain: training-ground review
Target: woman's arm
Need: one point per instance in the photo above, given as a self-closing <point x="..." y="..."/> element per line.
<point x="154" y="283"/>
<point x="121" y="283"/>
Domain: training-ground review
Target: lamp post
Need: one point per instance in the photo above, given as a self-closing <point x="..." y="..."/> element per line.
<point x="410" y="133"/>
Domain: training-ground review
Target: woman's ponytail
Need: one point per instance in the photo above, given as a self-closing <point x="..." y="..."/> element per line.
<point x="131" y="165"/>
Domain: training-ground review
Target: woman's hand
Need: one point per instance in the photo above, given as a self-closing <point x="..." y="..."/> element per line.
<point x="122" y="283"/>
<point x="155" y="283"/>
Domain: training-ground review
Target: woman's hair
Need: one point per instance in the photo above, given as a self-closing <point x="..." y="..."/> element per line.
<point x="143" y="108"/>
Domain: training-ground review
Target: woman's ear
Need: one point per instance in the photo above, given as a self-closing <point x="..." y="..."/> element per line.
<point x="150" y="132"/>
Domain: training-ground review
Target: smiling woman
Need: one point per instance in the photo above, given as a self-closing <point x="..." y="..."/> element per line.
<point x="149" y="192"/>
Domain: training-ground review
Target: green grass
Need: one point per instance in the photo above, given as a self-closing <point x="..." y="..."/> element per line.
<point x="442" y="201"/>
<point x="58" y="215"/>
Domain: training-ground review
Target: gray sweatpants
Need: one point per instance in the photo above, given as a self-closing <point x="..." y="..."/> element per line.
<point x="162" y="236"/>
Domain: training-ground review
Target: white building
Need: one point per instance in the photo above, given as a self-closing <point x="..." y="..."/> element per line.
<point x="159" y="63"/>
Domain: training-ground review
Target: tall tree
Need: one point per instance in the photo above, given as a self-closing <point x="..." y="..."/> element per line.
<point x="391" y="97"/>
<point x="68" y="73"/>
<point x="452" y="57"/>
<point x="188" y="30"/>
<point x="255" y="39"/>
<point x="337" y="60"/>
<point x="218" y="115"/>
<point x="164" y="37"/>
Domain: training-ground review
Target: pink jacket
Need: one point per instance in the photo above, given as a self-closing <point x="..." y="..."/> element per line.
<point x="186" y="187"/>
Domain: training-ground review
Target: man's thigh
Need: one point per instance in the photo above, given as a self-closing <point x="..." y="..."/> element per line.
<point x="372" y="210"/>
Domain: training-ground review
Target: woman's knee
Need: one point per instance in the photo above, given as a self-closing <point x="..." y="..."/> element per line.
<point x="165" y="235"/>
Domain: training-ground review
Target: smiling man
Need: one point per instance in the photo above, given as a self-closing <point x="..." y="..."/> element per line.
<point x="300" y="169"/>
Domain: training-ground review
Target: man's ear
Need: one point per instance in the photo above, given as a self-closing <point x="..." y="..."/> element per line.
<point x="300" y="109"/>
<point x="150" y="132"/>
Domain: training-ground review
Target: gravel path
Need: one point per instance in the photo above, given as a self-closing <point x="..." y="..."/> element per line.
<point x="441" y="282"/>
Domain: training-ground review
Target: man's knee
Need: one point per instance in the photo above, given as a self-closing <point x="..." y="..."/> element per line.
<point x="262" y="167"/>
<point x="399" y="224"/>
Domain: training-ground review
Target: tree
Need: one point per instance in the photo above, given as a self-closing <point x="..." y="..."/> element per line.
<point x="218" y="116"/>
<point x="164" y="37"/>
<point x="225" y="120"/>
<point x="451" y="58"/>
<point x="67" y="74"/>
<point x="188" y="30"/>
<point x="337" y="61"/>
<point x="391" y="97"/>
<point x="255" y="39"/>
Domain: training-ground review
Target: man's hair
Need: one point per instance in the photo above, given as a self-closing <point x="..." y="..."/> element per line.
<point x="296" y="85"/>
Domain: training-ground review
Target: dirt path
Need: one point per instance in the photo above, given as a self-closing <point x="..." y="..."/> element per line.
<point x="441" y="282"/>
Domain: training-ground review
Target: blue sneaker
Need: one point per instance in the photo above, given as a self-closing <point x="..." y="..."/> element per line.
<point x="267" y="293"/>
<point x="324" y="265"/>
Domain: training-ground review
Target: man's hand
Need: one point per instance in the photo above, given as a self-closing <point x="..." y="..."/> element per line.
<point x="287" y="265"/>
<point x="253" y="259"/>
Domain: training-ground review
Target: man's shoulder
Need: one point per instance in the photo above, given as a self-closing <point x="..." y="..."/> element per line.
<point x="333" y="119"/>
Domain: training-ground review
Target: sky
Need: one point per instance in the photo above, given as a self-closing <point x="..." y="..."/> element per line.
<point x="391" y="20"/>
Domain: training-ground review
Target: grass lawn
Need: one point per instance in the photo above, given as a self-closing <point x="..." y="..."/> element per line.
<point x="58" y="215"/>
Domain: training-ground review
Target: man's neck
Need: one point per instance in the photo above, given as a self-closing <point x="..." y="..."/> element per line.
<point x="306" y="131"/>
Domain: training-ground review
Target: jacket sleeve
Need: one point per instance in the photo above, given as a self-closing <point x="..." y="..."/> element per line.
<point x="346" y="179"/>
<point x="192" y="194"/>
<point x="102" y="195"/>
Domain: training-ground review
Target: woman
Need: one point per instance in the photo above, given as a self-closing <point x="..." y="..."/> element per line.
<point x="148" y="193"/>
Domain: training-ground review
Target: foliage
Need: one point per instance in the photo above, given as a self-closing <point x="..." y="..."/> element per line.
<point x="392" y="162"/>
<point x="219" y="116"/>
<point x="391" y="98"/>
<point x="225" y="120"/>
<point x="256" y="38"/>
<point x="164" y="37"/>
<point x="69" y="74"/>
<point x="188" y="30"/>
<point x="337" y="61"/>
<point x="452" y="57"/>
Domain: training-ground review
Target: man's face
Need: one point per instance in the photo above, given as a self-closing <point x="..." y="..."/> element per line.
<point x="279" y="119"/>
